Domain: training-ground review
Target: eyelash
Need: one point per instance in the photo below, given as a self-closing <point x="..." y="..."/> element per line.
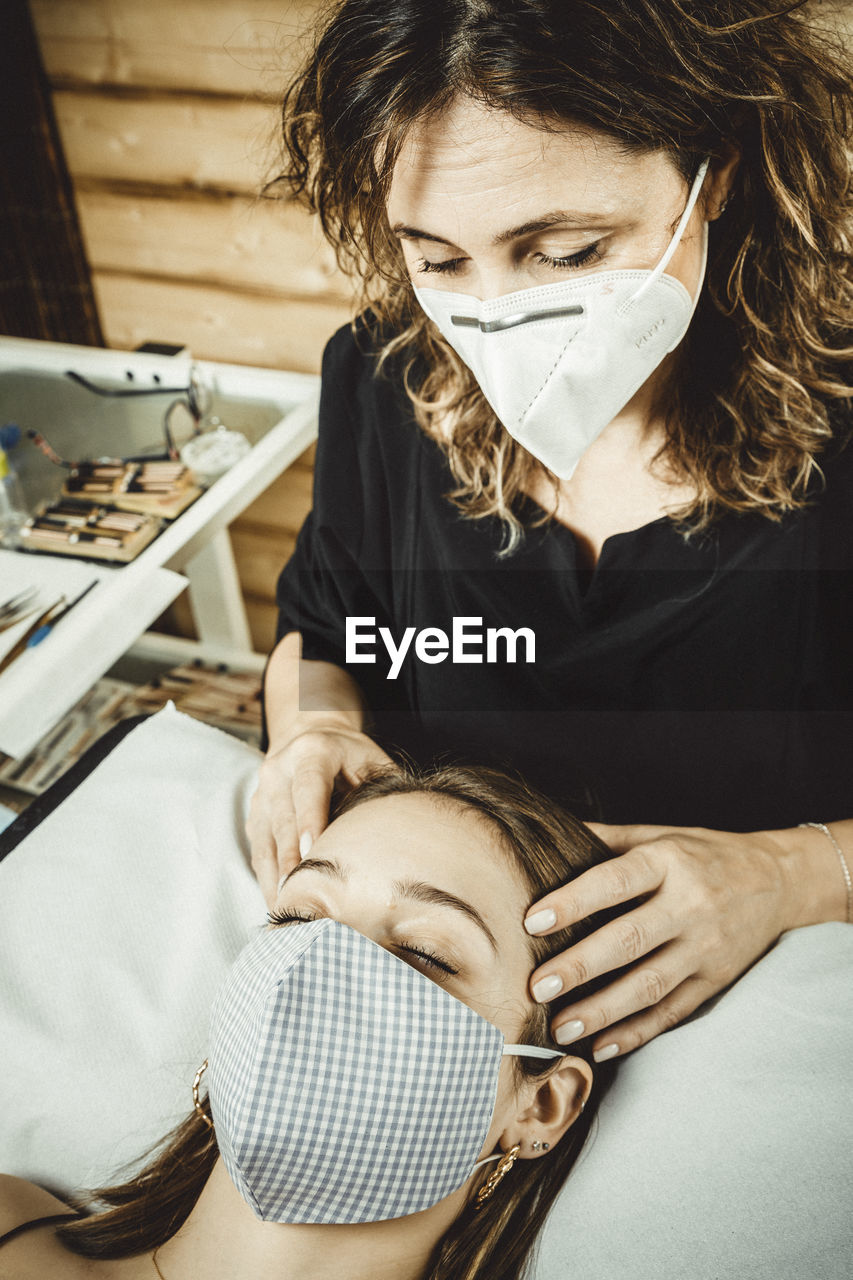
<point x="430" y="958"/>
<point x="572" y="262"/>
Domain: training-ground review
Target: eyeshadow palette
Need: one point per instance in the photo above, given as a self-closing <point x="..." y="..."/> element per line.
<point x="89" y="532"/>
<point x="161" y="488"/>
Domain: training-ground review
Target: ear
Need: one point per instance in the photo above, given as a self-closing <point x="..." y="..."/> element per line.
<point x="720" y="180"/>
<point x="558" y="1099"/>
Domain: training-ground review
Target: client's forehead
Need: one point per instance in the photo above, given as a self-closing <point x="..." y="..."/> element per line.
<point x="423" y="825"/>
<point x="430" y="837"/>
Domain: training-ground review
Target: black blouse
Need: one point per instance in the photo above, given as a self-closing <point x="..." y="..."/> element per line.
<point x="703" y="682"/>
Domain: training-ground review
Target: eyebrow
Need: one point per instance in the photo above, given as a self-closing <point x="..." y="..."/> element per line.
<point x="328" y="866"/>
<point x="557" y="218"/>
<point x="413" y="890"/>
<point x="419" y="891"/>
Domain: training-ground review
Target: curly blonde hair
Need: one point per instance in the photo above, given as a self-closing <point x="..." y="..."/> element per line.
<point x="746" y="420"/>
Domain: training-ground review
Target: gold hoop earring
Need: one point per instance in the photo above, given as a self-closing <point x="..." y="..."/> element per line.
<point x="196" y="1100"/>
<point x="501" y="1169"/>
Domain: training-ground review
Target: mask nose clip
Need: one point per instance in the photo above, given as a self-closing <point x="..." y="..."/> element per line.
<point x="514" y="320"/>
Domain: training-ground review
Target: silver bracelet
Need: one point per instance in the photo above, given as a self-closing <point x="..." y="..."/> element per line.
<point x="845" y="870"/>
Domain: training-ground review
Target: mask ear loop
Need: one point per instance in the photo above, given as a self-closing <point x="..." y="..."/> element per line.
<point x="531" y="1051"/>
<point x="518" y="1051"/>
<point x="487" y="1160"/>
<point x="676" y="238"/>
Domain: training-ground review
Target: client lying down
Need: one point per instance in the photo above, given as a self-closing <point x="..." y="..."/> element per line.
<point x="384" y="1099"/>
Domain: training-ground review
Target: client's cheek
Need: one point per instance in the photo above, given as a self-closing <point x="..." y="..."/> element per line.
<point x="510" y="1015"/>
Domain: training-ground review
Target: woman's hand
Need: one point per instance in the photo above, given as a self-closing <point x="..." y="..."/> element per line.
<point x="707" y="904"/>
<point x="291" y="805"/>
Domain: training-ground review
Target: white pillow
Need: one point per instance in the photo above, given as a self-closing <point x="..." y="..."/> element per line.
<point x="724" y="1150"/>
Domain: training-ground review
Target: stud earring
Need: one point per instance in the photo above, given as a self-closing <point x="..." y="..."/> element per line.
<point x="541" y="1146"/>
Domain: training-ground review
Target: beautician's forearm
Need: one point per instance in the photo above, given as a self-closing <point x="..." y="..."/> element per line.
<point x="815" y="873"/>
<point x="300" y="695"/>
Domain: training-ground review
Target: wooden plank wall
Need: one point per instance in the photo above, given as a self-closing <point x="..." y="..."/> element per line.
<point x="168" y="111"/>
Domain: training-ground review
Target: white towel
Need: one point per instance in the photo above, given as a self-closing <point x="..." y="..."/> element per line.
<point x="725" y="1149"/>
<point x="119" y="914"/>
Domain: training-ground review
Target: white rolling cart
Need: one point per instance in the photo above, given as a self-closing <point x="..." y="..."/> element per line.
<point x="277" y="411"/>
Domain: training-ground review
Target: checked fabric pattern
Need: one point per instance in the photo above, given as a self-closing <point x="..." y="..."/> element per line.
<point x="345" y="1086"/>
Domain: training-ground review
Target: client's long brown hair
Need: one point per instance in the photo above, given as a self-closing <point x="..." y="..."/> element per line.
<point x="548" y="847"/>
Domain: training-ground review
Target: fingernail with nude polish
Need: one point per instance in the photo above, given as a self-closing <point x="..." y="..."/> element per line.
<point x="547" y="988"/>
<point x="305" y="842"/>
<point x="609" y="1051"/>
<point x="280" y="884"/>
<point x="540" y="921"/>
<point x="569" y="1032"/>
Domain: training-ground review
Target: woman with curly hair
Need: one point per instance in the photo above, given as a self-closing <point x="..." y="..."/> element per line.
<point x="583" y="490"/>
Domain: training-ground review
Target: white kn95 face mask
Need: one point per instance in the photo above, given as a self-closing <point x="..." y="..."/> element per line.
<point x="346" y="1086"/>
<point x="557" y="362"/>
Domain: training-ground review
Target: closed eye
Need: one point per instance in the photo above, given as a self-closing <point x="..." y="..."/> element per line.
<point x="448" y="265"/>
<point x="289" y="917"/>
<point x="568" y="262"/>
<point x="572" y="260"/>
<point x="431" y="960"/>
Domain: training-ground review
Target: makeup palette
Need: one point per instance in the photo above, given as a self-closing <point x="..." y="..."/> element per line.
<point x="88" y="531"/>
<point x="162" y="488"/>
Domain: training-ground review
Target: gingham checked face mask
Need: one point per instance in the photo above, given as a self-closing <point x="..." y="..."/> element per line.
<point x="346" y="1086"/>
<point x="559" y="361"/>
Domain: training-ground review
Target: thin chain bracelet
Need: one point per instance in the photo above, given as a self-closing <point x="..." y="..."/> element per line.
<point x="845" y="870"/>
